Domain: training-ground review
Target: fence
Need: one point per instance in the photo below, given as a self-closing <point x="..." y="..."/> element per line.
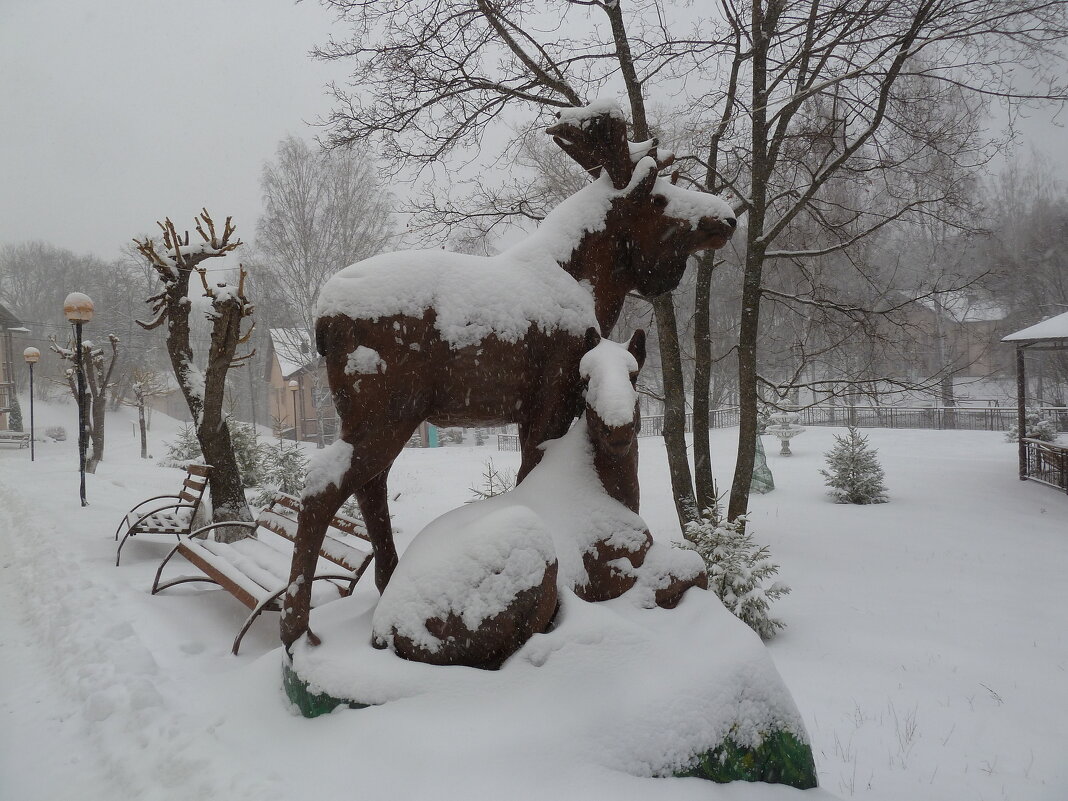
<point x="1047" y="463"/>
<point x="653" y="426"/>
<point x="990" y="418"/>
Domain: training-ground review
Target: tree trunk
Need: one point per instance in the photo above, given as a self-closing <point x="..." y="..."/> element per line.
<point x="99" y="411"/>
<point x="142" y="426"/>
<point x="749" y="326"/>
<point x="704" y="480"/>
<point x="747" y="387"/>
<point x="674" y="410"/>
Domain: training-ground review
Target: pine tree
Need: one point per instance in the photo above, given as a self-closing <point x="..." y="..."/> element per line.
<point x="1035" y="428"/>
<point x="738" y="569"/>
<point x="494" y="482"/>
<point x="184" y="449"/>
<point x="15" y="418"/>
<point x="247" y="450"/>
<point x="855" y="475"/>
<point x="284" y="470"/>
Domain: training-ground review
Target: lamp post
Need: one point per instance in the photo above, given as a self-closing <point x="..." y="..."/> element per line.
<point x="32" y="356"/>
<point x="293" y="387"/>
<point x="78" y="309"/>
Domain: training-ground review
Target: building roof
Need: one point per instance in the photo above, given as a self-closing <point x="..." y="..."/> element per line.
<point x="7" y="319"/>
<point x="964" y="307"/>
<point x="1054" y="328"/>
<point x="292" y="350"/>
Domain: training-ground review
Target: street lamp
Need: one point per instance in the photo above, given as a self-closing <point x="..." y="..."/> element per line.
<point x="293" y="387"/>
<point x="32" y="356"/>
<point x="78" y="309"/>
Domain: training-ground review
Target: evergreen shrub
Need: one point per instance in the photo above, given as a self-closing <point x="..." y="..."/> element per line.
<point x="854" y="473"/>
<point x="740" y="572"/>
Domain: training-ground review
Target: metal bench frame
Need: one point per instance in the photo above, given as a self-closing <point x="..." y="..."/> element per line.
<point x="250" y="591"/>
<point x="189" y="497"/>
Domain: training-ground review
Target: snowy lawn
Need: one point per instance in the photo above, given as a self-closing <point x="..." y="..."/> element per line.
<point x="925" y="645"/>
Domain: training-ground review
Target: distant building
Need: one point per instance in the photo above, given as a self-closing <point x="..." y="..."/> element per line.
<point x="8" y="323"/>
<point x="291" y="356"/>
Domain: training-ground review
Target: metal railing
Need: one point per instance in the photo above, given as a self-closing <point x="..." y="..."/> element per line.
<point x="508" y="442"/>
<point x="1047" y="463"/>
<point x="991" y="418"/>
<point x="653" y="426"/>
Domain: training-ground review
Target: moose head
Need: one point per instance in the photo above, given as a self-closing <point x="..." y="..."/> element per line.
<point x="651" y="226"/>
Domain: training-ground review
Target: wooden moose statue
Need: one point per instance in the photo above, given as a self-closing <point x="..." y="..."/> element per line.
<point x="463" y="340"/>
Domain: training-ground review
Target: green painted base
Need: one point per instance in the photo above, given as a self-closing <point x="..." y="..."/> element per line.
<point x="780" y="759"/>
<point x="311" y="704"/>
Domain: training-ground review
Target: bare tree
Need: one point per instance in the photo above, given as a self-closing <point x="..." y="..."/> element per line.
<point x="323" y="210"/>
<point x="97" y="369"/>
<point x="874" y="91"/>
<point x="145" y="384"/>
<point x="204" y="389"/>
<point x="840" y="119"/>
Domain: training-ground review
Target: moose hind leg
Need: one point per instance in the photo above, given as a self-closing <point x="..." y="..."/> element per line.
<point x="374" y="506"/>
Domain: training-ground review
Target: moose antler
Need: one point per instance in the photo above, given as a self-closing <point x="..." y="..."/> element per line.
<point x="596" y="137"/>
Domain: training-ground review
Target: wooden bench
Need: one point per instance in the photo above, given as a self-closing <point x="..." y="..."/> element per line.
<point x="255" y="570"/>
<point x="19" y="438"/>
<point x="174" y="518"/>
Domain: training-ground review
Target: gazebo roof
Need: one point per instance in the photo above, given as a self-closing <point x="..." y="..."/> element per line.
<point x="1053" y="331"/>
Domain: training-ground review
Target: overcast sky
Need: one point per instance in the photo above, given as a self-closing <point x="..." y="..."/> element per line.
<point x="121" y="112"/>
<point x="117" y="113"/>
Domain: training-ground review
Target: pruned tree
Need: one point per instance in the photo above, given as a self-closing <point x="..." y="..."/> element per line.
<point x="145" y="384"/>
<point x="204" y="389"/>
<point x="97" y="369"/>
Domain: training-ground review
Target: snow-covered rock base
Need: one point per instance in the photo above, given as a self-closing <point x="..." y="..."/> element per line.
<point x="689" y="691"/>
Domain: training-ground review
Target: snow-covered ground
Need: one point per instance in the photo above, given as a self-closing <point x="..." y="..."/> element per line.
<point x="925" y="645"/>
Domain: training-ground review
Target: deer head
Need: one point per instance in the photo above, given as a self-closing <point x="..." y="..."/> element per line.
<point x="656" y="224"/>
<point x="609" y="373"/>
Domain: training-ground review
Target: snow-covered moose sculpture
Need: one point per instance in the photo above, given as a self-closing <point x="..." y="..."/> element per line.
<point x="466" y="340"/>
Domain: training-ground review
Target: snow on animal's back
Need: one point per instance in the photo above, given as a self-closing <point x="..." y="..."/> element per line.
<point x="472" y="296"/>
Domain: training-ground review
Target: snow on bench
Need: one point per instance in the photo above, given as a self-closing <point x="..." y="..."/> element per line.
<point x="255" y="570"/>
<point x="19" y="438"/>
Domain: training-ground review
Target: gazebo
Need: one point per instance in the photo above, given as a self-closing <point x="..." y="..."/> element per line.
<point x="1039" y="461"/>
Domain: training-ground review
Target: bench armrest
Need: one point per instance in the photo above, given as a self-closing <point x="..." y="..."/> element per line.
<point x="205" y="529"/>
<point x="149" y="500"/>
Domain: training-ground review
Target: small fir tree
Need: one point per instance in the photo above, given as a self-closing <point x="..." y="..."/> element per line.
<point x="14" y="420"/>
<point x="247" y="449"/>
<point x="184" y="449"/>
<point x="854" y="473"/>
<point x="1036" y="427"/>
<point x="739" y="571"/>
<point x="284" y="470"/>
<point x="494" y="482"/>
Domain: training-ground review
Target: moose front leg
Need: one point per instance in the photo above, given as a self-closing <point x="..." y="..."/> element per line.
<point x="325" y="492"/>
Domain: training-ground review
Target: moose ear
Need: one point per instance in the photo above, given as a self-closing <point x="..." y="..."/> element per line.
<point x="593" y="337"/>
<point x="647" y="169"/>
<point x="637" y="347"/>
